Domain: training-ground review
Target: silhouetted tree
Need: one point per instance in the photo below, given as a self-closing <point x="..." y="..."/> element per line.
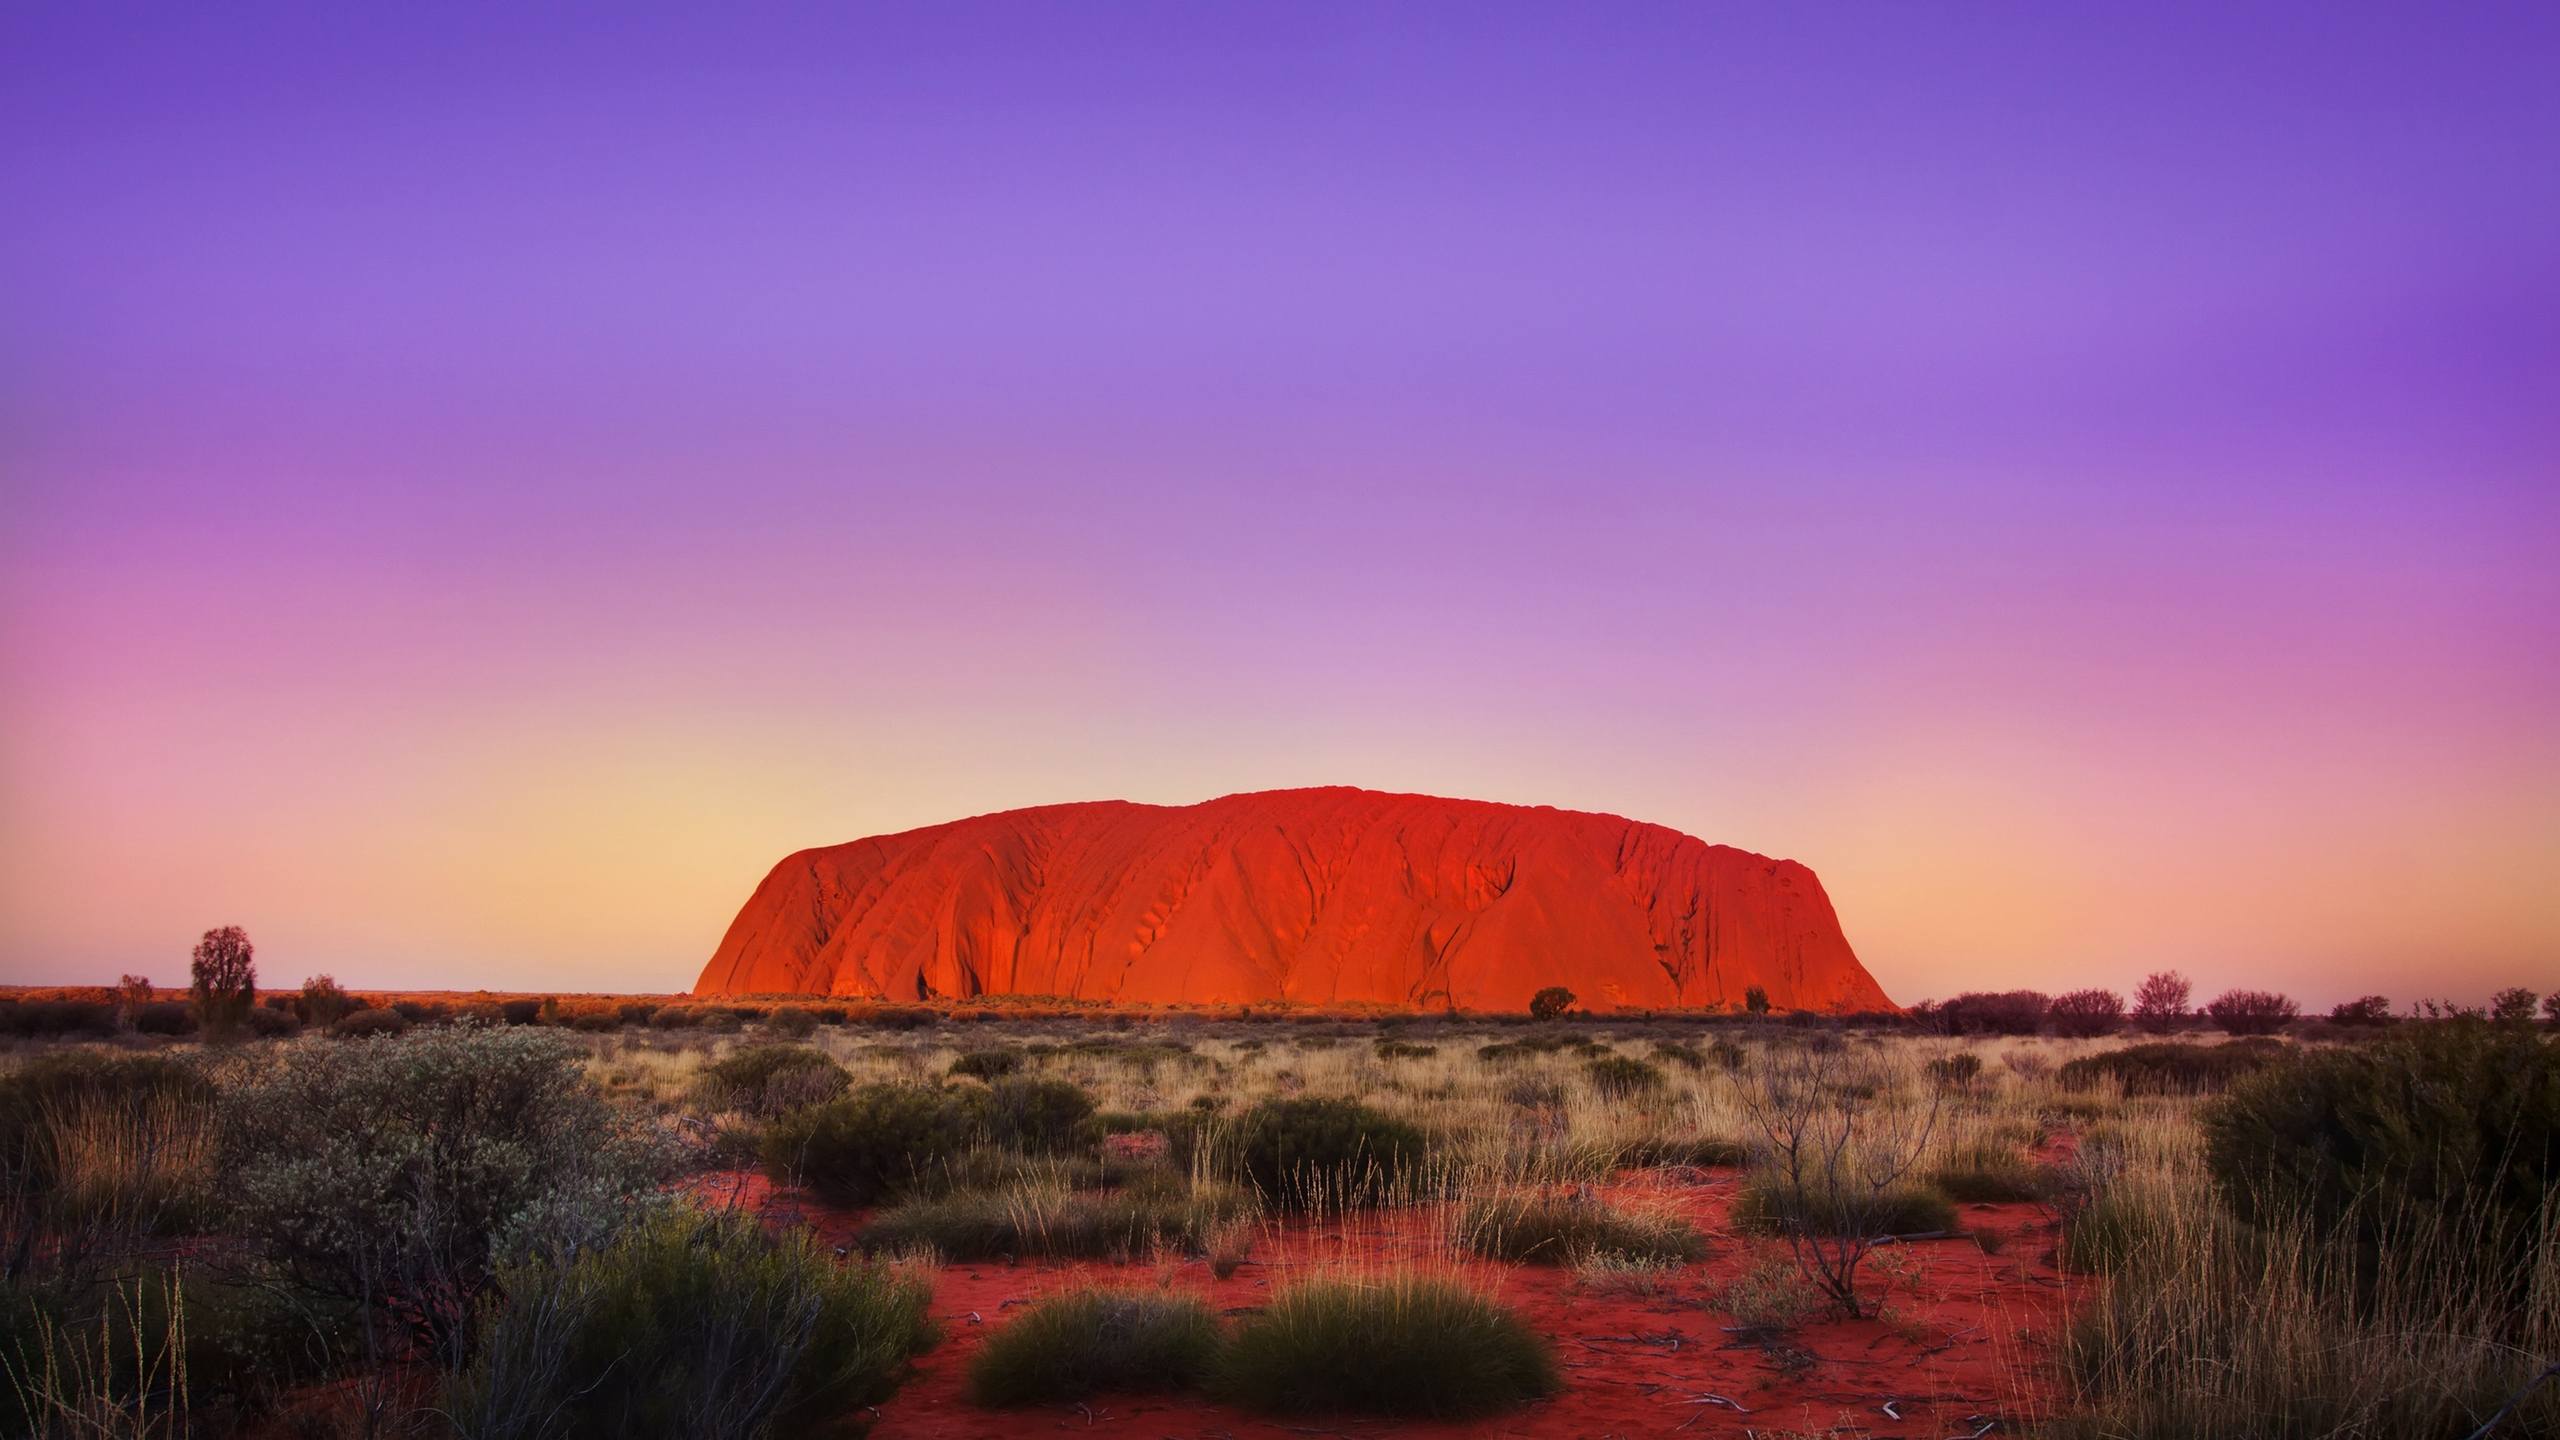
<point x="2513" y="1006"/>
<point x="132" y="993"/>
<point x="2372" y="1010"/>
<point x="1756" y="1000"/>
<point x="1549" y="1003"/>
<point x="2087" y="1012"/>
<point x="2160" y="1006"/>
<point x="323" y="1003"/>
<point x="2551" y="1009"/>
<point x="2252" y="1012"/>
<point x="2006" y="1012"/>
<point x="225" y="981"/>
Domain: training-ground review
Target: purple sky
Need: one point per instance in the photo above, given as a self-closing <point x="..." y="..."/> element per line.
<point x="478" y="486"/>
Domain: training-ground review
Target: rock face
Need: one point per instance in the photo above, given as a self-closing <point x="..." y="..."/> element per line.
<point x="1329" y="896"/>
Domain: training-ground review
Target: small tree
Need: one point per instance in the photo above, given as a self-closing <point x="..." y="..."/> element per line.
<point x="323" y="1003"/>
<point x="225" y="981"/>
<point x="1756" y="1000"/>
<point x="132" y="993"/>
<point x="1550" y="1003"/>
<point x="1837" y="1152"/>
<point x="2369" y="1012"/>
<point x="2512" y="1006"/>
<point x="2087" y="1012"/>
<point x="2252" y="1012"/>
<point x="2551" y="1009"/>
<point x="2160" y="1006"/>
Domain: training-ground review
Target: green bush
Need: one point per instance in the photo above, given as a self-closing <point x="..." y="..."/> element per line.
<point x="1088" y="1342"/>
<point x="1987" y="1173"/>
<point x="1055" y="1223"/>
<point x="1398" y="1344"/>
<point x="988" y="1064"/>
<point x="692" y="1325"/>
<point x="2443" y="1125"/>
<point x="771" y="1080"/>
<point x="1559" y="1229"/>
<point x="1616" y="1077"/>
<point x="1769" y="1206"/>
<point x="1036" y="1115"/>
<point x="876" y="1142"/>
<point x="400" y="1172"/>
<point x="2168" y="1067"/>
<point x="1307" y="1152"/>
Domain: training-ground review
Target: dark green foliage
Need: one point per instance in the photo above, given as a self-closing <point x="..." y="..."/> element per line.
<point x="1055" y="1224"/>
<point x="1988" y="1174"/>
<point x="1617" y="1077"/>
<point x="988" y="1064"/>
<point x="400" y="1170"/>
<point x="1398" y="1345"/>
<point x="1773" y="1208"/>
<point x="1311" y="1151"/>
<point x="2168" y="1067"/>
<point x="771" y="1080"/>
<point x="1036" y="1115"/>
<point x="1956" y="1072"/>
<point x="1550" y="1003"/>
<point x="876" y="1142"/>
<point x="1089" y="1342"/>
<point x="2252" y="1012"/>
<point x="1564" y="1229"/>
<point x="2442" y="1125"/>
<point x="692" y="1325"/>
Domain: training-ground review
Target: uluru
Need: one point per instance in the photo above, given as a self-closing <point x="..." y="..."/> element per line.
<point x="1331" y="896"/>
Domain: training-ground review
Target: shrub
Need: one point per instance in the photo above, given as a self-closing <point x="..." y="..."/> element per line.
<point x="1680" y="1053"/>
<point x="2167" y="1067"/>
<point x="323" y="1003"/>
<point x="57" y="1017"/>
<point x="1550" y="1003"/>
<point x="692" y="1325"/>
<point x="1037" y="1115"/>
<point x="224" y="981"/>
<point x="1726" y="1053"/>
<point x="988" y="1064"/>
<point x="1755" y="1000"/>
<point x="1566" y="1229"/>
<point x="2009" y="1012"/>
<point x="1956" y="1072"/>
<point x="1301" y="1153"/>
<point x="1616" y="1077"/>
<point x="1404" y="1050"/>
<point x="2084" y="1013"/>
<point x="1771" y="1295"/>
<point x="1770" y="1206"/>
<point x="876" y="1142"/>
<point x="2453" y="1125"/>
<point x="2252" y="1012"/>
<point x="791" y="1023"/>
<point x="2513" y="1006"/>
<point x="1398" y="1344"/>
<point x="165" y="1017"/>
<point x="2160" y="1005"/>
<point x="1987" y="1173"/>
<point x="400" y="1172"/>
<point x="1056" y="1223"/>
<point x="1086" y="1342"/>
<point x="2369" y="1012"/>
<point x="521" y="1012"/>
<point x="265" y="1024"/>
<point x="771" y="1080"/>
<point x="366" y="1023"/>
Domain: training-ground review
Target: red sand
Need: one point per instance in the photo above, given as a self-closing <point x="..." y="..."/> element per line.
<point x="1964" y="1335"/>
<point x="1325" y="897"/>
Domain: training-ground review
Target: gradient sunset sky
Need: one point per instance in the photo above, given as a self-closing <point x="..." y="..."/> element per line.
<point x="478" y="484"/>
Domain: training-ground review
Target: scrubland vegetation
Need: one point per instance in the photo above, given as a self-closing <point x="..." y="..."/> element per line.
<point x="573" y="1219"/>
